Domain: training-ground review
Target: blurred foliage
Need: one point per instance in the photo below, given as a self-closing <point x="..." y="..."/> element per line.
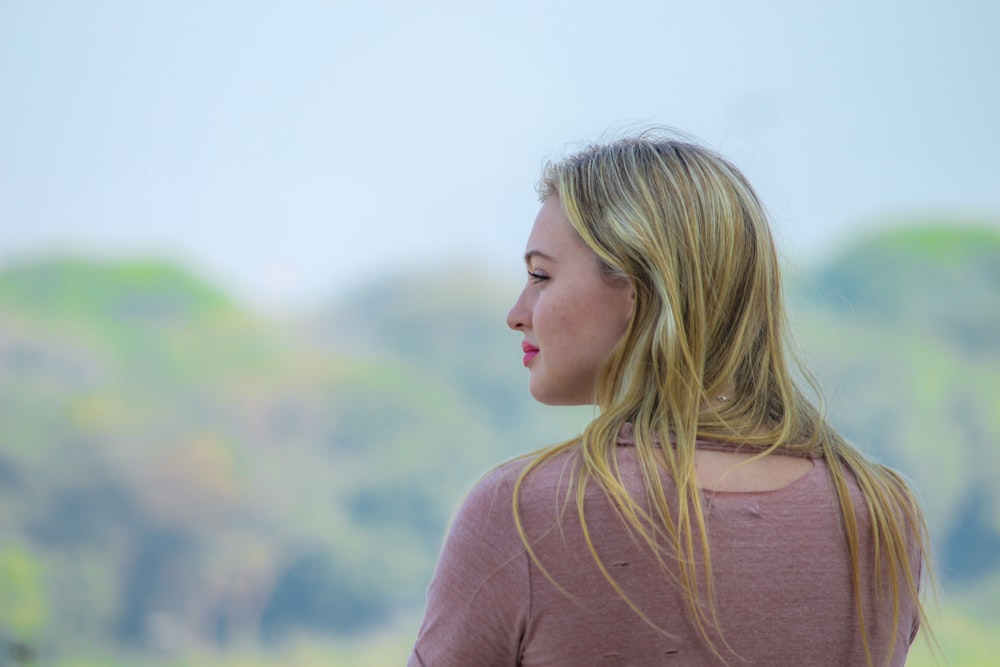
<point x="185" y="482"/>
<point x="24" y="608"/>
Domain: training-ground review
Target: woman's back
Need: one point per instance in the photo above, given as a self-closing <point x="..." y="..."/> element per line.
<point x="781" y="575"/>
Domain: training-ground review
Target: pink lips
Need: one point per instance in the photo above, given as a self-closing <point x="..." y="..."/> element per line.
<point x="530" y="351"/>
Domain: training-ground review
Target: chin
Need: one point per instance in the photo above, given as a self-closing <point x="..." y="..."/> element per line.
<point x="543" y="397"/>
<point x="556" y="398"/>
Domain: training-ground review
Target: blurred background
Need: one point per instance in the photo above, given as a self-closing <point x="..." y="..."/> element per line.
<point x="255" y="259"/>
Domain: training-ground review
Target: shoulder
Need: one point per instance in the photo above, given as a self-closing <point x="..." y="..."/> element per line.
<point x="527" y="474"/>
<point x="533" y="481"/>
<point x="495" y="489"/>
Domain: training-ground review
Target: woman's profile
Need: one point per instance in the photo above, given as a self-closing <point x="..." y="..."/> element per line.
<point x="708" y="514"/>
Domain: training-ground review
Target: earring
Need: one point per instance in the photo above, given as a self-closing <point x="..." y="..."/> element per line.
<point x="723" y="398"/>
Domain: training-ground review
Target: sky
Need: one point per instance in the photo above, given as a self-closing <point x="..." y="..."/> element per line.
<point x="289" y="151"/>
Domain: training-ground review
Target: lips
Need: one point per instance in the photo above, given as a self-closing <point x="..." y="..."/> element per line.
<point x="530" y="352"/>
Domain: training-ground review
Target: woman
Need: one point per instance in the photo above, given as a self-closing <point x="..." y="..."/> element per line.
<point x="708" y="515"/>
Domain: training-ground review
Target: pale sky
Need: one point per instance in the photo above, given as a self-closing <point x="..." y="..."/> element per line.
<point x="291" y="150"/>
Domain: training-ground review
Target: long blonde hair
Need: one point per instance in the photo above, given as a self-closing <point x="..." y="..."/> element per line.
<point x="687" y="231"/>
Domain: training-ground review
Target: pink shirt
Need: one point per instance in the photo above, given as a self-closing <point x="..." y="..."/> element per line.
<point x="781" y="572"/>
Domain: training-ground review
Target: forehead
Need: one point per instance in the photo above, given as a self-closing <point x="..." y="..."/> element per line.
<point x="552" y="233"/>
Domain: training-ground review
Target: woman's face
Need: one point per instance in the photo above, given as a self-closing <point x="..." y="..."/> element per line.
<point x="570" y="313"/>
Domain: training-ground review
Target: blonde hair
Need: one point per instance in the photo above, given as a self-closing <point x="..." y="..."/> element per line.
<point x="687" y="231"/>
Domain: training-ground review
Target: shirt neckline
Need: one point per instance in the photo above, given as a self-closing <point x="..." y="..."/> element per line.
<point x="626" y="438"/>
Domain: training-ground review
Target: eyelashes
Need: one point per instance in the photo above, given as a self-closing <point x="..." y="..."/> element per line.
<point x="537" y="277"/>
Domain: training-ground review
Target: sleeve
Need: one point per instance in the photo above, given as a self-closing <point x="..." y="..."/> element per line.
<point x="479" y="597"/>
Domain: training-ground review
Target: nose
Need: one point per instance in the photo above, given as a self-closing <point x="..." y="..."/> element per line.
<point x="519" y="316"/>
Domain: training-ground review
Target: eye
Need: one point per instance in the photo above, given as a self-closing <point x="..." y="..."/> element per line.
<point x="537" y="276"/>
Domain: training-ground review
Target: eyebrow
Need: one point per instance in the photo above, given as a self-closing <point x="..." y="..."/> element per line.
<point x="531" y="254"/>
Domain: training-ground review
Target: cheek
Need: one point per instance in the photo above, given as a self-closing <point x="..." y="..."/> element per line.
<point x="556" y="321"/>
